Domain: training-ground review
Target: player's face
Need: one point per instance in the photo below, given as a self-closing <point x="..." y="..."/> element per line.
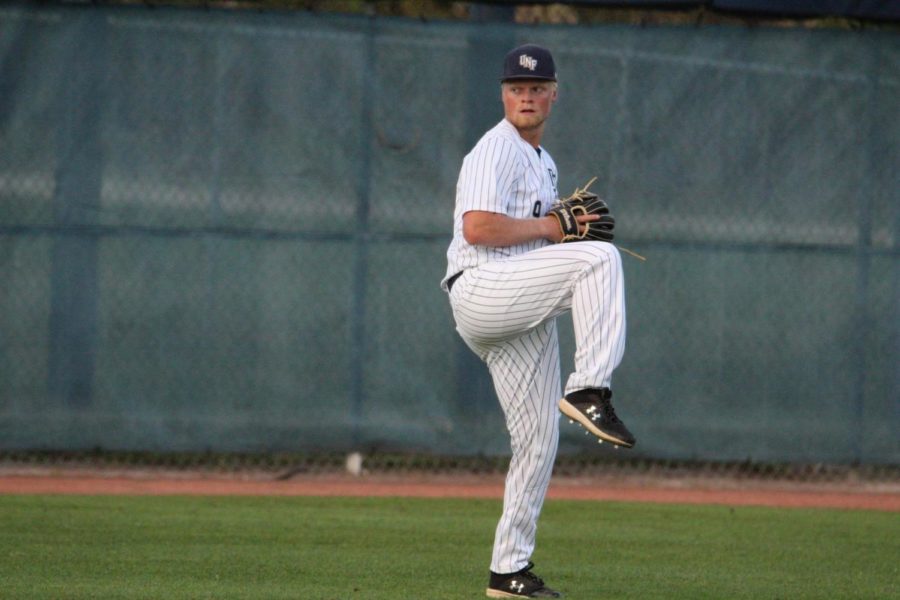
<point x="527" y="103"/>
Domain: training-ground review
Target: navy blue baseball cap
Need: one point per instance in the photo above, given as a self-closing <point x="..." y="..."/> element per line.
<point x="529" y="62"/>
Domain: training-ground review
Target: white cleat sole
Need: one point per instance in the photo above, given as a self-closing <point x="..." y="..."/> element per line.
<point x="576" y="416"/>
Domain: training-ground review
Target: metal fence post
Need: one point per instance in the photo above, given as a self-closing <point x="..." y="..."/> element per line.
<point x="73" y="313"/>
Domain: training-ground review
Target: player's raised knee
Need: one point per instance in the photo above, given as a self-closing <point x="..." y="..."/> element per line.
<point x="603" y="250"/>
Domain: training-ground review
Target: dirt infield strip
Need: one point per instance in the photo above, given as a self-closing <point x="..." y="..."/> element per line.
<point x="886" y="498"/>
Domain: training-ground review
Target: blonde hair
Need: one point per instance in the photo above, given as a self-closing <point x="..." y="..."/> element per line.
<point x="511" y="81"/>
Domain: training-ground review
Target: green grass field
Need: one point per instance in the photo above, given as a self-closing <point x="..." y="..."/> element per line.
<point x="372" y="548"/>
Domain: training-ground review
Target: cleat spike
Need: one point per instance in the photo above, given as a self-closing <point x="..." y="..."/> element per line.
<point x="571" y="421"/>
<point x="599" y="441"/>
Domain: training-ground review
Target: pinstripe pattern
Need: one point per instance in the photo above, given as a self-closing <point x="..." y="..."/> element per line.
<point x="500" y="300"/>
<point x="526" y="375"/>
<point x="502" y="174"/>
<point x="505" y="306"/>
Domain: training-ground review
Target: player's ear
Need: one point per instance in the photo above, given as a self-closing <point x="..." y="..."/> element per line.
<point x="555" y="96"/>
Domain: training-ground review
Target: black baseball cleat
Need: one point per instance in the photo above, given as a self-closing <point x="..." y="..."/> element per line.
<point x="593" y="409"/>
<point x="521" y="584"/>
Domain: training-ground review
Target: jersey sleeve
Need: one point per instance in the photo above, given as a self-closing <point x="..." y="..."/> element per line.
<point x="487" y="177"/>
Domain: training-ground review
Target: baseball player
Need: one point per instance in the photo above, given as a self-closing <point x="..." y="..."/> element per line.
<point x="508" y="278"/>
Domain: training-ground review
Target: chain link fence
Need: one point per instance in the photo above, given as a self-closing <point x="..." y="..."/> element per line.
<point x="224" y="231"/>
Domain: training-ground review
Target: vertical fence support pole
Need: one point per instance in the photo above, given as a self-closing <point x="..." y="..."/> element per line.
<point x="864" y="262"/>
<point x="361" y="239"/>
<point x="73" y="285"/>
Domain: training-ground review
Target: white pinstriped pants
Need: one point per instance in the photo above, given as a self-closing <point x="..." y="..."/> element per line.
<point x="505" y="312"/>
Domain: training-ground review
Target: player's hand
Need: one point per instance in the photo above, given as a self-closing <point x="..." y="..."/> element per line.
<point x="555" y="231"/>
<point x="582" y="219"/>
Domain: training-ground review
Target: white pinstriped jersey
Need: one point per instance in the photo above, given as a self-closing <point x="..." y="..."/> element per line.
<point x="502" y="174"/>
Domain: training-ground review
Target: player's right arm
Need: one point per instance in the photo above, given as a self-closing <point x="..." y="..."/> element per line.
<point x="483" y="228"/>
